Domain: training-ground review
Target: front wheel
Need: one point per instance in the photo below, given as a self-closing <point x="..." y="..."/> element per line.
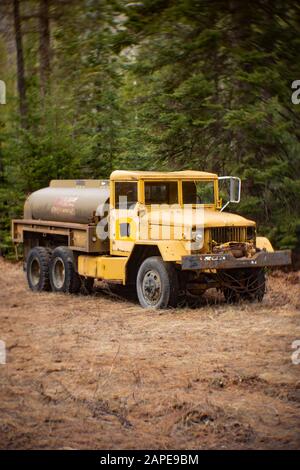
<point x="157" y="284"/>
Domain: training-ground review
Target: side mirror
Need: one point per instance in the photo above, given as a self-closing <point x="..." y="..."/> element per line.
<point x="234" y="189"/>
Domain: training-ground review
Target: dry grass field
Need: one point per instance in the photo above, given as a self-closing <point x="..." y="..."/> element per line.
<point x="100" y="372"/>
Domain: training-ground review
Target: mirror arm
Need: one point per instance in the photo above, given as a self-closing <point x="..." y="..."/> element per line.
<point x="225" y="205"/>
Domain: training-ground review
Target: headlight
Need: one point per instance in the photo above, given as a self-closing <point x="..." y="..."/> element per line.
<point x="198" y="235"/>
<point x="197" y="239"/>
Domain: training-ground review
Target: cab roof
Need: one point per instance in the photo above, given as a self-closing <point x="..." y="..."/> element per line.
<point x="160" y="175"/>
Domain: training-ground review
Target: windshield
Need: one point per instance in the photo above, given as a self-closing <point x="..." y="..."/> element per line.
<point x="198" y="192"/>
<point x="161" y="192"/>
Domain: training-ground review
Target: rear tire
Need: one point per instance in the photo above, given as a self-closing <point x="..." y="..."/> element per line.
<point x="37" y="269"/>
<point x="157" y="284"/>
<point x="63" y="275"/>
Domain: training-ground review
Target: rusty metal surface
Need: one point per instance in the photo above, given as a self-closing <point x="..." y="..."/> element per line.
<point x="228" y="234"/>
<point x="227" y="261"/>
<point x="50" y="223"/>
<point x="67" y="204"/>
<point x="81" y="237"/>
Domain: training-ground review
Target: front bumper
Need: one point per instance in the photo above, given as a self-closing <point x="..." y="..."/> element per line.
<point x="228" y="261"/>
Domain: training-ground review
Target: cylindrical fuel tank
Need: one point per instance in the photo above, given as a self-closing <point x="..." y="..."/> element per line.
<point x="76" y="201"/>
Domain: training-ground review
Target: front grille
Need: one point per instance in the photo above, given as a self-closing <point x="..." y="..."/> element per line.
<point x="229" y="234"/>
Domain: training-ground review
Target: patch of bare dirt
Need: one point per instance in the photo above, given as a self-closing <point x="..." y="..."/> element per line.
<point x="100" y="372"/>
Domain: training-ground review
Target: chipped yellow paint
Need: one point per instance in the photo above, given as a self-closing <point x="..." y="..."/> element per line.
<point x="170" y="250"/>
<point x="103" y="267"/>
<point x="120" y="175"/>
<point x="264" y="243"/>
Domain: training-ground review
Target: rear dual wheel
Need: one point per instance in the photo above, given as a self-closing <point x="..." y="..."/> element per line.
<point x="37" y="269"/>
<point x="55" y="271"/>
<point x="62" y="273"/>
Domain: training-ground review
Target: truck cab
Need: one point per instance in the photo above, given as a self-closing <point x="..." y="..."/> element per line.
<point x="177" y="207"/>
<point x="165" y="234"/>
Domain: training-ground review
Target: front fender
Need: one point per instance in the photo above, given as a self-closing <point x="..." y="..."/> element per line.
<point x="170" y="250"/>
<point x="263" y="243"/>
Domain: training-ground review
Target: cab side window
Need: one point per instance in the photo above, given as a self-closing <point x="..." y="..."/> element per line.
<point x="125" y="194"/>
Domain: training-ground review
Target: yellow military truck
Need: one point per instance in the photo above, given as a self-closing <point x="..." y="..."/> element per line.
<point x="166" y="234"/>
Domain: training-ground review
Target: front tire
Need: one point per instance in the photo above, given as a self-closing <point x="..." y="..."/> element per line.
<point x="157" y="284"/>
<point x="37" y="269"/>
<point x="63" y="275"/>
<point x="244" y="284"/>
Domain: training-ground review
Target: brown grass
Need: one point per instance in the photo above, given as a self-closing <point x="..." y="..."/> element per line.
<point x="100" y="372"/>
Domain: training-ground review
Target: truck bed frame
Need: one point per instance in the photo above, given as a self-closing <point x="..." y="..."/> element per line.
<point x="78" y="237"/>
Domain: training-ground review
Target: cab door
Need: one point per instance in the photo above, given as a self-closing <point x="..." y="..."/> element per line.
<point x="124" y="220"/>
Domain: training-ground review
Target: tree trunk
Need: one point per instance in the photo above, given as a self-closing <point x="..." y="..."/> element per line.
<point x="44" y="47"/>
<point x="20" y="64"/>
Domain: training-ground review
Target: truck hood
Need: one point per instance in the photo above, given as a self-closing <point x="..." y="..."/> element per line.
<point x="214" y="218"/>
<point x="190" y="218"/>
